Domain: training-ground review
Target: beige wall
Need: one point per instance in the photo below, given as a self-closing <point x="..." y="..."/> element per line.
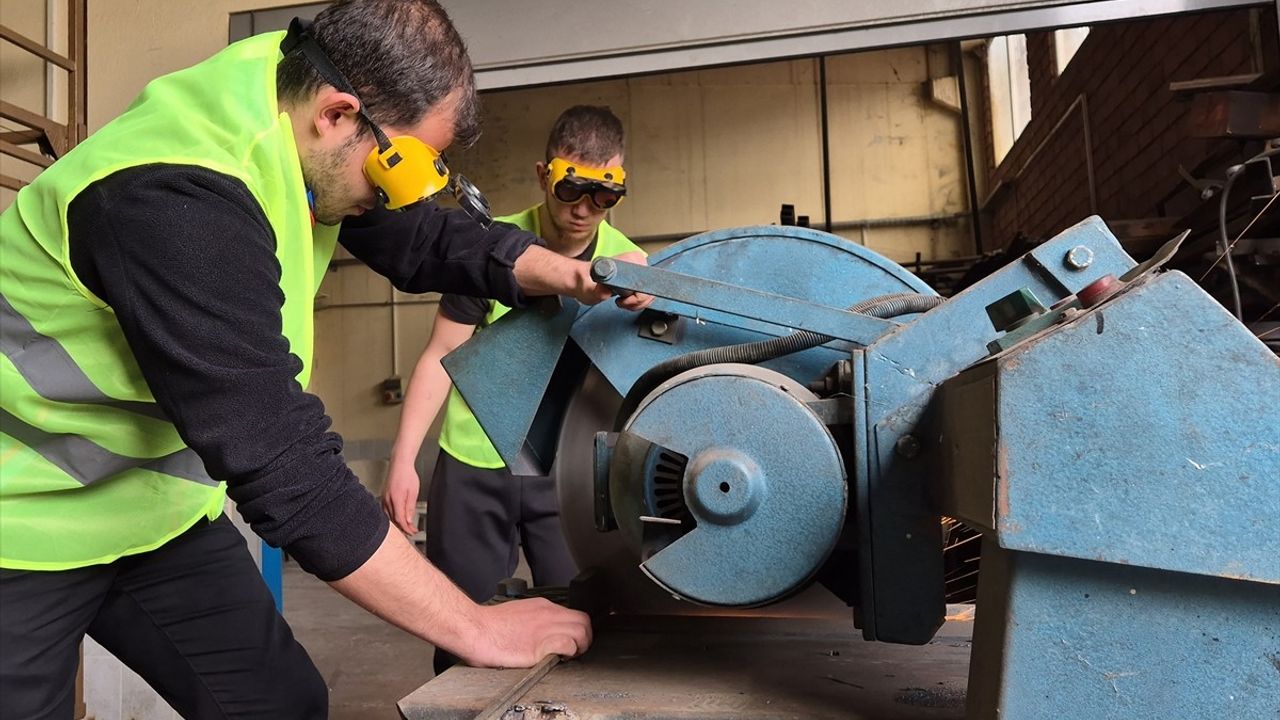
<point x="720" y="148"/>
<point x="707" y="149"/>
<point x="133" y="41"/>
<point x="895" y="153"/>
<point x="129" y="42"/>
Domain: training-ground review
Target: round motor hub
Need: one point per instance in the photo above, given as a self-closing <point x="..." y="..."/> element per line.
<point x="742" y="495"/>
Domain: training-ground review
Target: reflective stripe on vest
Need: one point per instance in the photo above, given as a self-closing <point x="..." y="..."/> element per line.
<point x="93" y="469"/>
<point x="88" y="462"/>
<point x="50" y="370"/>
<point x="460" y="434"/>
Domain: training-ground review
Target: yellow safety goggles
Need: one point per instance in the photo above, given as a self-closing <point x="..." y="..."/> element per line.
<point x="571" y="182"/>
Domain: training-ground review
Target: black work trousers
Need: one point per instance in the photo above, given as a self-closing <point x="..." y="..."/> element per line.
<point x="477" y="521"/>
<point x="192" y="617"/>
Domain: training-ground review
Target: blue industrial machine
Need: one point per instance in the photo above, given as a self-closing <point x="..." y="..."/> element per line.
<point x="795" y="409"/>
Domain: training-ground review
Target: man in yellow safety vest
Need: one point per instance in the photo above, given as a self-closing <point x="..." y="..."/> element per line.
<point x="156" y="297"/>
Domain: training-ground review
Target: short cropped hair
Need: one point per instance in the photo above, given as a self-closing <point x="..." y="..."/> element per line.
<point x="589" y="133"/>
<point x="402" y="57"/>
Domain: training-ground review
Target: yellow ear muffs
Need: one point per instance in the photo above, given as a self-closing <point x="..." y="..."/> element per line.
<point x="405" y="172"/>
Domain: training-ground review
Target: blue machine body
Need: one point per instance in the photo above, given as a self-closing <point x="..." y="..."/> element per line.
<point x="1125" y="471"/>
<point x="894" y="381"/>
<point x="1143" y="432"/>
<point x="1121" y="455"/>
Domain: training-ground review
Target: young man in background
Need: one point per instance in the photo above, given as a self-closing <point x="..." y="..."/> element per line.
<point x="478" y="513"/>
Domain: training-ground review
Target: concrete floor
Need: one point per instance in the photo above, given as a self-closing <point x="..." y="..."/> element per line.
<point x="368" y="664"/>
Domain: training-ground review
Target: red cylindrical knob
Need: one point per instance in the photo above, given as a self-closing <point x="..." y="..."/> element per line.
<point x="1098" y="290"/>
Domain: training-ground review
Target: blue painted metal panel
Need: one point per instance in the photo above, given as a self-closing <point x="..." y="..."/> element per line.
<point x="608" y="335"/>
<point x="1127" y="466"/>
<point x="781" y="506"/>
<point x="1072" y="266"/>
<point x="902" y="372"/>
<point x="795" y="262"/>
<point x="503" y="371"/>
<point x="1066" y="638"/>
<point x="1156" y="444"/>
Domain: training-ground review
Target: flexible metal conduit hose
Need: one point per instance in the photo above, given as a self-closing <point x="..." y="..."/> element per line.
<point x="881" y="306"/>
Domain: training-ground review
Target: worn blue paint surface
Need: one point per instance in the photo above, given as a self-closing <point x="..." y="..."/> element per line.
<point x="765" y="484"/>
<point x="1097" y="244"/>
<point x="902" y="371"/>
<point x="1061" y="637"/>
<point x="1146" y="432"/>
<point x="1126" y="470"/>
<point x="503" y="371"/>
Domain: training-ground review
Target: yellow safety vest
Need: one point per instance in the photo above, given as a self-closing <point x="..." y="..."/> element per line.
<point x="92" y="470"/>
<point x="461" y="435"/>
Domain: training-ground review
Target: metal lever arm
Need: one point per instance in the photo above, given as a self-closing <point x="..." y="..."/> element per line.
<point x="736" y="300"/>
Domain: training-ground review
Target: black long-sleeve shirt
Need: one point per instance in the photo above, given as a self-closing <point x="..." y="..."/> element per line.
<point x="186" y="259"/>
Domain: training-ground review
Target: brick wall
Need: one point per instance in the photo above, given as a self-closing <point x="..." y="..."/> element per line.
<point x="1118" y="83"/>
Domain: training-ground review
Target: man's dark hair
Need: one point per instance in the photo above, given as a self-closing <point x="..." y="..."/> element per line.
<point x="590" y="133"/>
<point x="403" y="57"/>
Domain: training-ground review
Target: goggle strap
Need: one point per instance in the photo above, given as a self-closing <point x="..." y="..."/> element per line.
<point x="299" y="39"/>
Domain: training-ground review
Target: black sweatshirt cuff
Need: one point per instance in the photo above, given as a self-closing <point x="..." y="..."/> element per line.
<point x="502" y="278"/>
<point x="348" y="532"/>
<point x="331" y="527"/>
